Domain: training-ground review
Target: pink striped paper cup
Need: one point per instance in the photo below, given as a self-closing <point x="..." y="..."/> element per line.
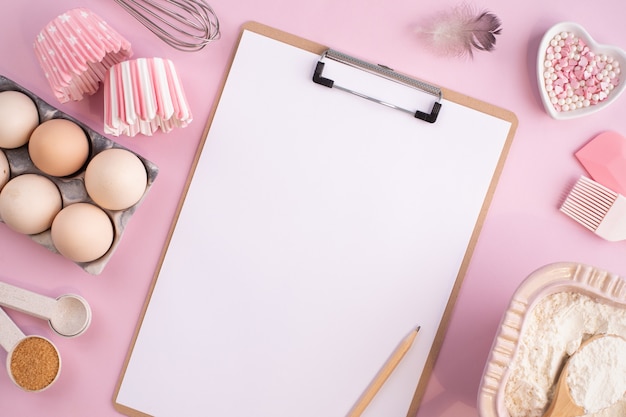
<point x="75" y="51"/>
<point x="142" y="96"/>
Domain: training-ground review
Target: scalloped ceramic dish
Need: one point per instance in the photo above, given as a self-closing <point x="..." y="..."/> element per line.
<point x="602" y="286"/>
<point x="613" y="51"/>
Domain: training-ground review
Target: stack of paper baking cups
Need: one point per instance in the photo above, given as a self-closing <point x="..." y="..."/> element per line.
<point x="142" y="96"/>
<point x="78" y="51"/>
<point x="75" y="51"/>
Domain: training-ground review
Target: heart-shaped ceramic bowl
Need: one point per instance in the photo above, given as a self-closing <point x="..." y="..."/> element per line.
<point x="578" y="31"/>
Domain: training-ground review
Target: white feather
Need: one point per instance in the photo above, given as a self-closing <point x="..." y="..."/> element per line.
<point x="460" y="30"/>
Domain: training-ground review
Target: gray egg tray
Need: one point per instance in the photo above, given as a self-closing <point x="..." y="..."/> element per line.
<point x="73" y="188"/>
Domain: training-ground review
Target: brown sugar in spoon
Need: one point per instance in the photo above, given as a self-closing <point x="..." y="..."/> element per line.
<point x="33" y="362"/>
<point x="563" y="404"/>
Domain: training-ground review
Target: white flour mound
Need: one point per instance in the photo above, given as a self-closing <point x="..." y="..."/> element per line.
<point x="552" y="332"/>
<point x="597" y="374"/>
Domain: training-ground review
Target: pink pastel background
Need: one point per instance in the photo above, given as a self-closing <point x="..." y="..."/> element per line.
<point x="523" y="231"/>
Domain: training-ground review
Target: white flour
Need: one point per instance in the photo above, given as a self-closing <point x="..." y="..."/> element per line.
<point x="597" y="373"/>
<point x="553" y="331"/>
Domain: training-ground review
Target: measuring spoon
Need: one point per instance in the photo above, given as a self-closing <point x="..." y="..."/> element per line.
<point x="564" y="404"/>
<point x="33" y="362"/>
<point x="68" y="315"/>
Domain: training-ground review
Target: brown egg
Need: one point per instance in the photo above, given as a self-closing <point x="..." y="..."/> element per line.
<point x="82" y="232"/>
<point x="18" y="118"/>
<point x="29" y="203"/>
<point x="116" y="179"/>
<point x="58" y="147"/>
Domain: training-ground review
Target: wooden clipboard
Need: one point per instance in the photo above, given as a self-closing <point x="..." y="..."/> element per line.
<point x="135" y="383"/>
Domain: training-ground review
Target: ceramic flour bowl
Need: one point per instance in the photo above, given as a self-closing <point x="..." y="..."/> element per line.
<point x="552" y="312"/>
<point x="582" y="80"/>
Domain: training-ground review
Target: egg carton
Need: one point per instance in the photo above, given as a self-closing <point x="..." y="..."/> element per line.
<point x="72" y="188"/>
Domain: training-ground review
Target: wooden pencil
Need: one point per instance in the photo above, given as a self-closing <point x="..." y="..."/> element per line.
<point x="383" y="374"/>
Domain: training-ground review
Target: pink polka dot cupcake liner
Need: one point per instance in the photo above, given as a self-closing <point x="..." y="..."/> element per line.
<point x="75" y="51"/>
<point x="142" y="96"/>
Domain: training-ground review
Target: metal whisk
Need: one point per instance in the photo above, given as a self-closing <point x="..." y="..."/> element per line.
<point x="187" y="25"/>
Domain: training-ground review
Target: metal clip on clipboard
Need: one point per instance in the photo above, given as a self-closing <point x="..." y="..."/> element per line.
<point x="383" y="72"/>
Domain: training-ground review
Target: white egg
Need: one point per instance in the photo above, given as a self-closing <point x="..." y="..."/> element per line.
<point x="29" y="203"/>
<point x="116" y="179"/>
<point x="5" y="170"/>
<point x="18" y="118"/>
<point x="82" y="232"/>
